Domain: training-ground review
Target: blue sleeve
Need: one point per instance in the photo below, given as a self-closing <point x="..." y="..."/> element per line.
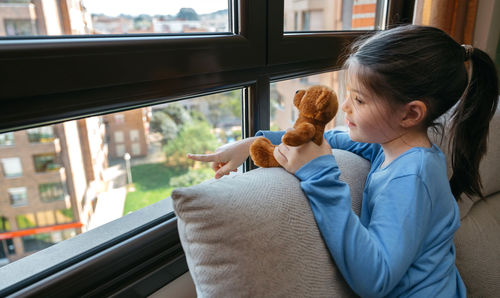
<point x="373" y="258"/>
<point x="337" y="139"/>
<point x="341" y="140"/>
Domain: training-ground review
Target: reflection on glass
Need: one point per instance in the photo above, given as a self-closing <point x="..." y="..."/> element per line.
<point x="307" y="15"/>
<point x="284" y="113"/>
<point x="65" y="179"/>
<point x="82" y="17"/>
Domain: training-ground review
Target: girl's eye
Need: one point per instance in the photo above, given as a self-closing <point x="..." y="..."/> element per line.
<point x="358" y="100"/>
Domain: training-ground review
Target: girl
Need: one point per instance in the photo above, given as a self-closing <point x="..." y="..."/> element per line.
<point x="399" y="81"/>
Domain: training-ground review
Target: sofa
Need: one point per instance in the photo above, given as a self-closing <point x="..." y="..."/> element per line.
<point x="253" y="234"/>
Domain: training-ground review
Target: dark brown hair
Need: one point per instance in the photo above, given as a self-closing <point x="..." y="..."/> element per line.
<point x="413" y="62"/>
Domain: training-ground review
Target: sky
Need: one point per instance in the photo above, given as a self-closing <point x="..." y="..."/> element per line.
<point x="152" y="7"/>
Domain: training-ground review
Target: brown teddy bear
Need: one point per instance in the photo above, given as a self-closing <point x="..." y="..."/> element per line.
<point x="317" y="106"/>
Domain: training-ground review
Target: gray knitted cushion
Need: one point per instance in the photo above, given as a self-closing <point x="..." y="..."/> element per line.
<point x="254" y="235"/>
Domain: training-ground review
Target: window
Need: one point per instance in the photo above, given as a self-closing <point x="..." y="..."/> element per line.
<point x="119" y="137"/>
<point x="50" y="192"/>
<point x="114" y="17"/>
<point x="134" y="135"/>
<point x="45" y="218"/>
<point x="43" y="134"/>
<point x="119" y="118"/>
<point x="136" y="149"/>
<point x="12" y="167"/>
<point x="7" y="139"/>
<point x="19" y="27"/>
<point x="26" y="221"/>
<point x="46" y="162"/>
<point x="120" y="150"/>
<point x="199" y="88"/>
<point x="18" y="196"/>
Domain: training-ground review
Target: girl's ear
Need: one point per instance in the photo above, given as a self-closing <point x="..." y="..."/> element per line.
<point x="414" y="114"/>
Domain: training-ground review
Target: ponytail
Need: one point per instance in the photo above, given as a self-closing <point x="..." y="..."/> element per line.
<point x="469" y="131"/>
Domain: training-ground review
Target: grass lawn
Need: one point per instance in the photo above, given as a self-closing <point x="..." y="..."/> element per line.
<point x="151" y="182"/>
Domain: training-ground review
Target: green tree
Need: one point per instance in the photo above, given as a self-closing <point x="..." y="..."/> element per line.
<point x="195" y="137"/>
<point x="169" y="121"/>
<point x="187" y="14"/>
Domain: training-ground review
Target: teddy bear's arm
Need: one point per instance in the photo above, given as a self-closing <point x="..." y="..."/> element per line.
<point x="300" y="134"/>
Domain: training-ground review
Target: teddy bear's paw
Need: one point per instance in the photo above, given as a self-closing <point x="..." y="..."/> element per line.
<point x="262" y="153"/>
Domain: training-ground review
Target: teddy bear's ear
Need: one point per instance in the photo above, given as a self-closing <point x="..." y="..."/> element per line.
<point x="327" y="105"/>
<point x="298" y="97"/>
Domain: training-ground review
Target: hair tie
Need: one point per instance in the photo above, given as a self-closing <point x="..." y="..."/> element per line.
<point x="468" y="51"/>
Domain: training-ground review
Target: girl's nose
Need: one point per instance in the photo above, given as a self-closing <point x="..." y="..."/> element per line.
<point x="345" y="106"/>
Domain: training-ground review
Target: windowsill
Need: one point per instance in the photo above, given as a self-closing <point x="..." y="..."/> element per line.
<point x="66" y="250"/>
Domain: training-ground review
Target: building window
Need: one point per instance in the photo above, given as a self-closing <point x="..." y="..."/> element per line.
<point x="120" y="150"/>
<point x="50" y="192"/>
<point x="41" y="134"/>
<point x="45" y="218"/>
<point x="136" y="149"/>
<point x="20" y="27"/>
<point x="4" y="224"/>
<point x="12" y="167"/>
<point x="25" y="221"/>
<point x="46" y="162"/>
<point x="18" y="196"/>
<point x="64" y="216"/>
<point x="134" y="135"/>
<point x="119" y="137"/>
<point x="306" y="21"/>
<point x="7" y="139"/>
<point x="119" y="118"/>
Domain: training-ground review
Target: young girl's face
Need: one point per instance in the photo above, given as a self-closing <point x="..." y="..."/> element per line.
<point x="370" y="119"/>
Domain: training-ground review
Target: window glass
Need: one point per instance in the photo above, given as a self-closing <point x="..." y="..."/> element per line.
<point x="307" y="15"/>
<point x="43" y="134"/>
<point x="7" y="139"/>
<point x="46" y="162"/>
<point x="80" y="180"/>
<point x="284" y="113"/>
<point x="18" y="196"/>
<point x="50" y="192"/>
<point x="83" y="17"/>
<point x="12" y="167"/>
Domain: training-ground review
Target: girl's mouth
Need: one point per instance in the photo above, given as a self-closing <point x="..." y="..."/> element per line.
<point x="349" y="123"/>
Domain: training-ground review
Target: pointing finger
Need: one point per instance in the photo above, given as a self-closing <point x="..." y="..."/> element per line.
<point x="214" y="157"/>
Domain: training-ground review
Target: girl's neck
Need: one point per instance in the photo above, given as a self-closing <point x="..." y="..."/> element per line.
<point x="401" y="144"/>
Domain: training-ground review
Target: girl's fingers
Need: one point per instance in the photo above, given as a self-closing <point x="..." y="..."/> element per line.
<point x="204" y="157"/>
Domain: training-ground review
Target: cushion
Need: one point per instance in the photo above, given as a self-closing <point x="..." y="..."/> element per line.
<point x="254" y="234"/>
<point x="477" y="242"/>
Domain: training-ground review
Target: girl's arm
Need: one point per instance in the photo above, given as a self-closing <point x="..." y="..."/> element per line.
<point x="337" y="140"/>
<point x="372" y="259"/>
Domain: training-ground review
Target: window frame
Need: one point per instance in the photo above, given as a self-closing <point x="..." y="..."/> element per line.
<point x="160" y="69"/>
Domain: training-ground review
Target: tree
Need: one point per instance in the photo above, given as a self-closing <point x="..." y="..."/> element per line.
<point x="187" y="14"/>
<point x="195" y="137"/>
<point x="169" y="121"/>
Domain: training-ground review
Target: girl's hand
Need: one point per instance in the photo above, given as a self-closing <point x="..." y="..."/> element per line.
<point x="293" y="158"/>
<point x="226" y="158"/>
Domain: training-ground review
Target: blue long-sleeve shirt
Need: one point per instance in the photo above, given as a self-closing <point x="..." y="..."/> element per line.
<point x="401" y="245"/>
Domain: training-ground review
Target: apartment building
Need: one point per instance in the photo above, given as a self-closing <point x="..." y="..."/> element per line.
<point x="127" y="132"/>
<point x="49" y="181"/>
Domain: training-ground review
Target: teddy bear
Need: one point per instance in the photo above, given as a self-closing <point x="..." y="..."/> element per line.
<point x="317" y="106"/>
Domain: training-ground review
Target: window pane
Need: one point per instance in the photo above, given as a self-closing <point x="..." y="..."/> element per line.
<point x="83" y="17"/>
<point x="18" y="196"/>
<point x="12" y="167"/>
<point x="76" y="179"/>
<point x="284" y="113"/>
<point x="7" y="139"/>
<point x="43" y="134"/>
<point x="308" y="15"/>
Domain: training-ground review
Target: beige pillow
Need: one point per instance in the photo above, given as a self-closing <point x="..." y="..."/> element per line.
<point x="254" y="235"/>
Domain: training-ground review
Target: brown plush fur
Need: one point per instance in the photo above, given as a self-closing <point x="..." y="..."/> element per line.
<point x="317" y="106"/>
